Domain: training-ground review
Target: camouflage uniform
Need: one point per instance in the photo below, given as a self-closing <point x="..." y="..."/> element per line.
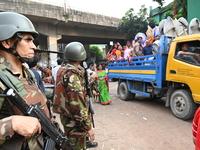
<point x="31" y="93"/>
<point x="71" y="103"/>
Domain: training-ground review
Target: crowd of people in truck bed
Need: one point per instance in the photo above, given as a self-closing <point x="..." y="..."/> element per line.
<point x="136" y="48"/>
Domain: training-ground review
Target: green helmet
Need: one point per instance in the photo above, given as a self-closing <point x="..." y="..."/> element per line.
<point x="12" y="23"/>
<point x="75" y="51"/>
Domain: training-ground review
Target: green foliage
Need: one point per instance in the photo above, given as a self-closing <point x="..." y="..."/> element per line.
<point x="180" y="5"/>
<point x="168" y="13"/>
<point x="132" y="23"/>
<point x="96" y="52"/>
<point x="160" y="2"/>
<point x="66" y="15"/>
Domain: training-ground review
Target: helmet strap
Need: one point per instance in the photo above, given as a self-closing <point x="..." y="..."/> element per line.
<point x="22" y="59"/>
<point x="13" y="48"/>
<point x="10" y="50"/>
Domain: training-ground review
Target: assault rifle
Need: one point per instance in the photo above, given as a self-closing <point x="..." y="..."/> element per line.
<point x="97" y="89"/>
<point x="91" y="109"/>
<point x="54" y="138"/>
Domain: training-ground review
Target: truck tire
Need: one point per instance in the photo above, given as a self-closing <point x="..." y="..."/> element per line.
<point x="124" y="94"/>
<point x="182" y="104"/>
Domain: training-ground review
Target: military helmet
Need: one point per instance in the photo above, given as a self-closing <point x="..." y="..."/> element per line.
<point x="12" y="23"/>
<point x="75" y="51"/>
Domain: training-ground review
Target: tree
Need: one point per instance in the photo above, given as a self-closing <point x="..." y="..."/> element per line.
<point x="160" y="2"/>
<point x="133" y="23"/>
<point x="180" y="5"/>
<point x="96" y="52"/>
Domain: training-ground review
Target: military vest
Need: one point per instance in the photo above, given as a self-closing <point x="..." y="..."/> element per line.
<point x="28" y="89"/>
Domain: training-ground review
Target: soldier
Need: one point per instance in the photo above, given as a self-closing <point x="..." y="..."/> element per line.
<point x="70" y="99"/>
<point x="16" y="47"/>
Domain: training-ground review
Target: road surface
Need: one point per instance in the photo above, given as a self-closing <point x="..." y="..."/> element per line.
<point x="139" y="124"/>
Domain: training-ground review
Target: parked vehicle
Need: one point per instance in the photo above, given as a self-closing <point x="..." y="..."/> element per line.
<point x="163" y="75"/>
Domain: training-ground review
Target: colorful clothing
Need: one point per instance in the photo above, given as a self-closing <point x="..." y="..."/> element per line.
<point x="118" y="53"/>
<point x="113" y="51"/>
<point x="104" y="97"/>
<point x="127" y="53"/>
<point x="114" y="57"/>
<point x="196" y="129"/>
<point x="27" y="88"/>
<point x="109" y="56"/>
<point x="71" y="103"/>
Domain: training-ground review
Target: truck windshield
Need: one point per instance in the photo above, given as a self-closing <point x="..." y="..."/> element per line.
<point x="189" y="52"/>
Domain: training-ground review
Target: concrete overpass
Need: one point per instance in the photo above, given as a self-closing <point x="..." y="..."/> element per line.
<point x="58" y="26"/>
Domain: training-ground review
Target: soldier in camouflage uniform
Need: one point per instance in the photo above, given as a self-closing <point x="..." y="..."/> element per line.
<point x="70" y="99"/>
<point x="16" y="47"/>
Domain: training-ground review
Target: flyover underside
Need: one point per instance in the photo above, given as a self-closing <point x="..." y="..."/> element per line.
<point x="88" y="34"/>
<point x="84" y="33"/>
<point x="88" y="40"/>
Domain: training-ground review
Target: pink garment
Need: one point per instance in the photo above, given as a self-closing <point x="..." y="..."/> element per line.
<point x="127" y="53"/>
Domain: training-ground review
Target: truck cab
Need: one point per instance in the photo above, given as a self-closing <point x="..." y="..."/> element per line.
<point x="183" y="75"/>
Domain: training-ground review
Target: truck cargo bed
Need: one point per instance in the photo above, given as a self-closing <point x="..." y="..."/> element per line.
<point x="145" y="68"/>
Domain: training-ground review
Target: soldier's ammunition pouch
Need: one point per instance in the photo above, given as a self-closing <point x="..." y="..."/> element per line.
<point x="17" y="142"/>
<point x="14" y="142"/>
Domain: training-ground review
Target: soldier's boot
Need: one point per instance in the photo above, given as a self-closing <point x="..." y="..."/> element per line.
<point x="90" y="144"/>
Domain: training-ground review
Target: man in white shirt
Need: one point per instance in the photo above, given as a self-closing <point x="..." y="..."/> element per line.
<point x="55" y="69"/>
<point x="91" y="69"/>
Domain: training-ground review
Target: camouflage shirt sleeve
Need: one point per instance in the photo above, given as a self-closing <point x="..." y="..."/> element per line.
<point x="75" y="95"/>
<point x="6" y="130"/>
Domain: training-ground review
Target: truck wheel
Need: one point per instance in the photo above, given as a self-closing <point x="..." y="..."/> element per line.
<point x="124" y="94"/>
<point x="182" y="104"/>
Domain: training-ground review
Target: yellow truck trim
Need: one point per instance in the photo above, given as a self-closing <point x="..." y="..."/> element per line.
<point x="133" y="71"/>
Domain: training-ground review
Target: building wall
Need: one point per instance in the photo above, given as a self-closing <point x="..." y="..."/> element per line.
<point x="193" y="9"/>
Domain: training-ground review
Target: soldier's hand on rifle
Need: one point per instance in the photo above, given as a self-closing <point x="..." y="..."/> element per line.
<point x="91" y="134"/>
<point x="25" y="125"/>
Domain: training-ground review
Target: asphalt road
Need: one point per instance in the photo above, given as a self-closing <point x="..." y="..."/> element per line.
<point x="139" y="124"/>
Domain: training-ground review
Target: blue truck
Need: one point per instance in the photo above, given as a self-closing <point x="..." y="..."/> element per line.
<point x="163" y="74"/>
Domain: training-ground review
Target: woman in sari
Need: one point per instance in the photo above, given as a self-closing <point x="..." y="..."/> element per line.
<point x="102" y="80"/>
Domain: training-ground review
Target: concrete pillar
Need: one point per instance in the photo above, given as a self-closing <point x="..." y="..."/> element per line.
<point x="53" y="46"/>
<point x="87" y="48"/>
<point x="42" y="41"/>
